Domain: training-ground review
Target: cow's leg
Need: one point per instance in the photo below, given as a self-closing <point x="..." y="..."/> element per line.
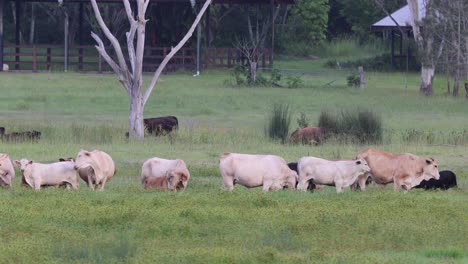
<point x="101" y="186"/>
<point x="266" y="186"/>
<point x="37" y="185"/>
<point x="361" y="181"/>
<point x="228" y="182"/>
<point x="396" y="185"/>
<point x="339" y="186"/>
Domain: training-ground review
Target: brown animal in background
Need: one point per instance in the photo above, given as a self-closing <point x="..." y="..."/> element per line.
<point x="308" y="135"/>
<point x="173" y="174"/>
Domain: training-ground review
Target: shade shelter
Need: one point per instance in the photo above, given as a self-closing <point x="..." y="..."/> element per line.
<point x="84" y="57"/>
<point x="402" y="17"/>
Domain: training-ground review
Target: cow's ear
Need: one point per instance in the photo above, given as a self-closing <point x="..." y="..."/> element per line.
<point x="428" y="161"/>
<point x="61" y="160"/>
<point x="16" y="162"/>
<point x="358" y="162"/>
<point x="30" y="162"/>
<point x="432" y="159"/>
<point x="87" y="154"/>
<point x="183" y="177"/>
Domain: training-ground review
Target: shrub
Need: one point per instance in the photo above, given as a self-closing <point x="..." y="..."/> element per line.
<point x="362" y="126"/>
<point x="303" y="120"/>
<point x="294" y="82"/>
<point x="279" y="122"/>
<point x="353" y="80"/>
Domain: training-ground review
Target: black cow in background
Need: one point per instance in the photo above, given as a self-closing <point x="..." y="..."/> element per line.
<point x="293" y="166"/>
<point x="447" y="180"/>
<point x="160" y="125"/>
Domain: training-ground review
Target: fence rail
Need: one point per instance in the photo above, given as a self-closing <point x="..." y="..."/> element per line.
<point x="86" y="58"/>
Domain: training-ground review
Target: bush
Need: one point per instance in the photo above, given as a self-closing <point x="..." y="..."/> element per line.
<point x="303" y="120"/>
<point x="353" y="80"/>
<point x="377" y="63"/>
<point x="279" y="122"/>
<point x="294" y="82"/>
<point x="362" y="126"/>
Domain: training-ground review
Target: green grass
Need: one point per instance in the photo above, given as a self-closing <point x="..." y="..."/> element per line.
<point x="206" y="224"/>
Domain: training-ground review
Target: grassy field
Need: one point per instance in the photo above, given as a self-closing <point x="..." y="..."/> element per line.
<point x="207" y="224"/>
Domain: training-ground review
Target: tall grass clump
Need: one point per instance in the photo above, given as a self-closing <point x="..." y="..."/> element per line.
<point x="358" y="125"/>
<point x="279" y="122"/>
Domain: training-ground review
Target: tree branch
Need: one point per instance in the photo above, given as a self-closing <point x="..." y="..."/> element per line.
<point x="163" y="64"/>
<point x="115" y="43"/>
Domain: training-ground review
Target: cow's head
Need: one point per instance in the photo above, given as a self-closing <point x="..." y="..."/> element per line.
<point x="25" y="166"/>
<point x="430" y="169"/>
<point x="177" y="179"/>
<point x="362" y="166"/>
<point x="291" y="180"/>
<point x="83" y="160"/>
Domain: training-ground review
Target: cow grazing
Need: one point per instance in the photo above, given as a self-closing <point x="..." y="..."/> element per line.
<point x="161" y="125"/>
<point x="7" y="171"/>
<point x="54" y="174"/>
<point x="403" y="170"/>
<point x="447" y="180"/>
<point x="269" y="171"/>
<point x="5" y="67"/>
<point x="340" y="173"/>
<point x="312" y="186"/>
<point x="33" y="136"/>
<point x="308" y="135"/>
<point x="95" y="167"/>
<point x="171" y="175"/>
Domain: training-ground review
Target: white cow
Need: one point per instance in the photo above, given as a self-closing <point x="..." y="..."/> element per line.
<point x="341" y="173"/>
<point x="95" y="167"/>
<point x="53" y="174"/>
<point x="269" y="171"/>
<point x="165" y="174"/>
<point x="7" y="172"/>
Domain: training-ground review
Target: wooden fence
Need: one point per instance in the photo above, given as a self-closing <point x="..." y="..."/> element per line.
<point x="86" y="58"/>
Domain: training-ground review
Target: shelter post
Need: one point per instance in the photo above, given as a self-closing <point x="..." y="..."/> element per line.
<point x="392" y="48"/>
<point x="272" y="5"/>
<point x="2" y="3"/>
<point x="66" y="42"/>
<point x="207" y="26"/>
<point x="17" y="33"/>
<point x="80" y="37"/>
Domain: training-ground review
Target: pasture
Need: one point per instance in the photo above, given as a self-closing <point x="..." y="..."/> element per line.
<point x="206" y="224"/>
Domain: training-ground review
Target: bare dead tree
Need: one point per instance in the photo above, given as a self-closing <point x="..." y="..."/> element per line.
<point x="131" y="76"/>
<point x="251" y="51"/>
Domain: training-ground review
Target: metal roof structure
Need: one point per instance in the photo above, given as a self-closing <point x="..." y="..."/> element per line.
<point x="402" y="16"/>
<point x="240" y="2"/>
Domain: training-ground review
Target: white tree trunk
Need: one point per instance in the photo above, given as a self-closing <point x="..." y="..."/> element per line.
<point x="253" y="72"/>
<point x="136" y="126"/>
<point x="427" y="76"/>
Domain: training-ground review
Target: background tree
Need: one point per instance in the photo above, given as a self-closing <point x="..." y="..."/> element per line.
<point x="131" y="76"/>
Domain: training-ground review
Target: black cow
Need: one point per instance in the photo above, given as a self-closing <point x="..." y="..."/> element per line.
<point x="293" y="166"/>
<point x="21" y="136"/>
<point x="161" y="125"/>
<point x="447" y="180"/>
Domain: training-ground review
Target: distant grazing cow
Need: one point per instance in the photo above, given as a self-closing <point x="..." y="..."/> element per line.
<point x="53" y="174"/>
<point x="7" y="171"/>
<point x="95" y="168"/>
<point x="312" y="186"/>
<point x="269" y="171"/>
<point x="340" y="173"/>
<point x="161" y="125"/>
<point x="403" y="170"/>
<point x="33" y="136"/>
<point x="165" y="174"/>
<point x="308" y="135"/>
<point x="447" y="180"/>
<point x="5" y="67"/>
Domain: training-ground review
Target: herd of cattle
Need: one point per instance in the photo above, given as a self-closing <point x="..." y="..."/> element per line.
<point x="96" y="168"/>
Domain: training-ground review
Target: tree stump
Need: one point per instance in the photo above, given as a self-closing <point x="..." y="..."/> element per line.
<point x="362" y="81"/>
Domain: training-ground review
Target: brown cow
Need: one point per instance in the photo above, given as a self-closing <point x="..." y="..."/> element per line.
<point x="404" y="170"/>
<point x="308" y="135"/>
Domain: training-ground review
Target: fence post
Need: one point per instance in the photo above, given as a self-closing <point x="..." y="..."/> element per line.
<point x="80" y="58"/>
<point x="34" y="68"/>
<point x="362" y="82"/>
<point x="48" y="58"/>
<point x="229" y="58"/>
<point x="100" y="63"/>
<point x="263" y="58"/>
